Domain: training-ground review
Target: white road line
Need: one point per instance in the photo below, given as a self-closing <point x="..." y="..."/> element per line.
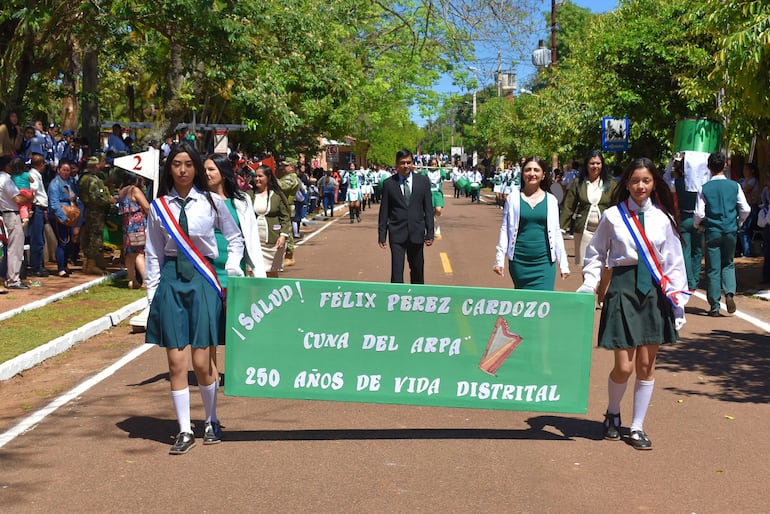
<point x="738" y="314"/>
<point x="33" y="419"/>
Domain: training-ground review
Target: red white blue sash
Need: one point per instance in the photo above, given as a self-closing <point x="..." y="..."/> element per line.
<point x="647" y="254"/>
<point x="184" y="244"/>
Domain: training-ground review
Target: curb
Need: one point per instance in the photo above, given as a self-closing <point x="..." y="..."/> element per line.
<point x="61" y="344"/>
<point x="58" y="296"/>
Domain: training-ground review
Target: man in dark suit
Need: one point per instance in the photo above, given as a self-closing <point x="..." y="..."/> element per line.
<point x="406" y="213"/>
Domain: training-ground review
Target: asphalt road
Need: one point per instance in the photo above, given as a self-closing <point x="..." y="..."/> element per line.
<point x="106" y="450"/>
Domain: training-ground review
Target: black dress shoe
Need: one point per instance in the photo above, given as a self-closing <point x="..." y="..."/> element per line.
<point x="714" y="313"/>
<point x="612" y="426"/>
<point x="42" y="273"/>
<point x="17" y="286"/>
<point x="639" y="440"/>
<point x="182" y="444"/>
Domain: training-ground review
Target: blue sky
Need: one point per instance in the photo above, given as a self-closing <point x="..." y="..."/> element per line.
<point x="488" y="58"/>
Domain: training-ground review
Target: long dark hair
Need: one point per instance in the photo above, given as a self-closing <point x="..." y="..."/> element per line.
<point x="604" y="174"/>
<point x="272" y="183"/>
<point x="545" y="184"/>
<point x="225" y="167"/>
<point x="166" y="182"/>
<point x="661" y="195"/>
<point x="13" y="130"/>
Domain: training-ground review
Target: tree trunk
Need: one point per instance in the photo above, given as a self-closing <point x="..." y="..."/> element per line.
<point x="174" y="110"/>
<point x="70" y="107"/>
<point x="90" y="106"/>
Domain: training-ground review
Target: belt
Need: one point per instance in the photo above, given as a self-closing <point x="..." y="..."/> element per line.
<point x="10" y="212"/>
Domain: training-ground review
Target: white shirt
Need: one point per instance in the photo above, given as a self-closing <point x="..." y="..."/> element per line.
<point x="612" y="246"/>
<point x="41" y="196"/>
<point x="201" y="222"/>
<point x="8" y="191"/>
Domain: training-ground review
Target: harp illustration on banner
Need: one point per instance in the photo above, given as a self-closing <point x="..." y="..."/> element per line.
<point x="501" y="345"/>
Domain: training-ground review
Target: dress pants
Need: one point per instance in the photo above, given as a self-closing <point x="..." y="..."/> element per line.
<point x="414" y="254"/>
<point x="36" y="239"/>
<point x="692" y="247"/>
<point x="720" y="269"/>
<point x="14" y="250"/>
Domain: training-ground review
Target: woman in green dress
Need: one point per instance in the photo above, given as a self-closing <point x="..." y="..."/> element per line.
<point x="529" y="235"/>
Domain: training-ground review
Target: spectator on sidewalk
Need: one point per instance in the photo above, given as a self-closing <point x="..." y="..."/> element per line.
<point x="97" y="199"/>
<point x="763" y="222"/>
<point x="720" y="203"/>
<point x="63" y="191"/>
<point x="39" y="218"/>
<point x="10" y="201"/>
<point x="11" y="135"/>
<point x="133" y="206"/>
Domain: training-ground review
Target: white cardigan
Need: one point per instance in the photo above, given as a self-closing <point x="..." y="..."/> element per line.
<point x="248" y="222"/>
<point x="510" y="229"/>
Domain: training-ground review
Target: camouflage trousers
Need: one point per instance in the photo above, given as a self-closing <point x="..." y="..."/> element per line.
<point x="92" y="233"/>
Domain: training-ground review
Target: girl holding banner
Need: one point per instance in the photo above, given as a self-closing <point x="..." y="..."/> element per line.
<point x="644" y="305"/>
<point x="186" y="312"/>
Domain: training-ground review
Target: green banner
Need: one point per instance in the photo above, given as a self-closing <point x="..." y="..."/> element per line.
<point x="409" y="344"/>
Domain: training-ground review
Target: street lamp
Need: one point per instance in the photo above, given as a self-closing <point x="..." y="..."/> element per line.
<point x="528" y="92"/>
<point x="475" y="83"/>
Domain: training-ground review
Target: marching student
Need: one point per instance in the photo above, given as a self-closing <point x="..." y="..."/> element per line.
<point x="186" y="313"/>
<point x="644" y="305"/>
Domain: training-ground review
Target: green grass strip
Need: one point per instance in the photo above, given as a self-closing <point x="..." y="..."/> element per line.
<point x="31" y="329"/>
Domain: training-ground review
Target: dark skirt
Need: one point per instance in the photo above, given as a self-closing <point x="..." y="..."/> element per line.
<point x="185" y="313"/>
<point x="630" y="319"/>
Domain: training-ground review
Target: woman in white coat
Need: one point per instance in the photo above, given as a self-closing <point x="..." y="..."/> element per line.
<point x="530" y="236"/>
<point x="222" y="182"/>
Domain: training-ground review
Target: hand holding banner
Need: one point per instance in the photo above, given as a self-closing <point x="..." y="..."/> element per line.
<point x="409" y="344"/>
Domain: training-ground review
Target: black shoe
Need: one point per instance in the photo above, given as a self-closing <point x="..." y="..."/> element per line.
<point x="611" y="426"/>
<point x="730" y="301"/>
<point x="351" y="221"/>
<point x="639" y="440"/>
<point x="42" y="273"/>
<point x="17" y="286"/>
<point x="714" y="313"/>
<point x="212" y="434"/>
<point x="182" y="444"/>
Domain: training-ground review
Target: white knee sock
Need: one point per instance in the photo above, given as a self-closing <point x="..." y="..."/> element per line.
<point x="615" y="393"/>
<point x="181" y="400"/>
<point x="209" y="397"/>
<point x="642" y="396"/>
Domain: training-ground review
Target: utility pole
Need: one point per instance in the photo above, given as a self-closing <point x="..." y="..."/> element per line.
<point x="499" y="74"/>
<point x="553" y="32"/>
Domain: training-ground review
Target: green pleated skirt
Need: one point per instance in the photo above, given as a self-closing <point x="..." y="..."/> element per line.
<point x="185" y="313"/>
<point x="630" y="318"/>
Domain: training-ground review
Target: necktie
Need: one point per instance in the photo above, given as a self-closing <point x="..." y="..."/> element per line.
<point x="643" y="277"/>
<point x="184" y="268"/>
<point x="407" y="192"/>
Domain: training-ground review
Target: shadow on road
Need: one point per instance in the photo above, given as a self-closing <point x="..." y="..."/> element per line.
<point x="733" y="363"/>
<point x="567" y="429"/>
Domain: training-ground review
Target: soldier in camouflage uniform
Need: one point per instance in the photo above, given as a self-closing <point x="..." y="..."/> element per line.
<point x="289" y="182"/>
<point x="97" y="199"/>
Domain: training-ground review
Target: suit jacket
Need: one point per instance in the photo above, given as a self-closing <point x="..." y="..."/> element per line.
<point x="576" y="203"/>
<point x="413" y="222"/>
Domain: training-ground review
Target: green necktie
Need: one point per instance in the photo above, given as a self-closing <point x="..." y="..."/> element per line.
<point x="184" y="268"/>
<point x="643" y="277"/>
<point x="407" y="192"/>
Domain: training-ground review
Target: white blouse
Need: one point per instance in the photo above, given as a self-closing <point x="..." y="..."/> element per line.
<point x="612" y="246"/>
<point x="201" y="222"/>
